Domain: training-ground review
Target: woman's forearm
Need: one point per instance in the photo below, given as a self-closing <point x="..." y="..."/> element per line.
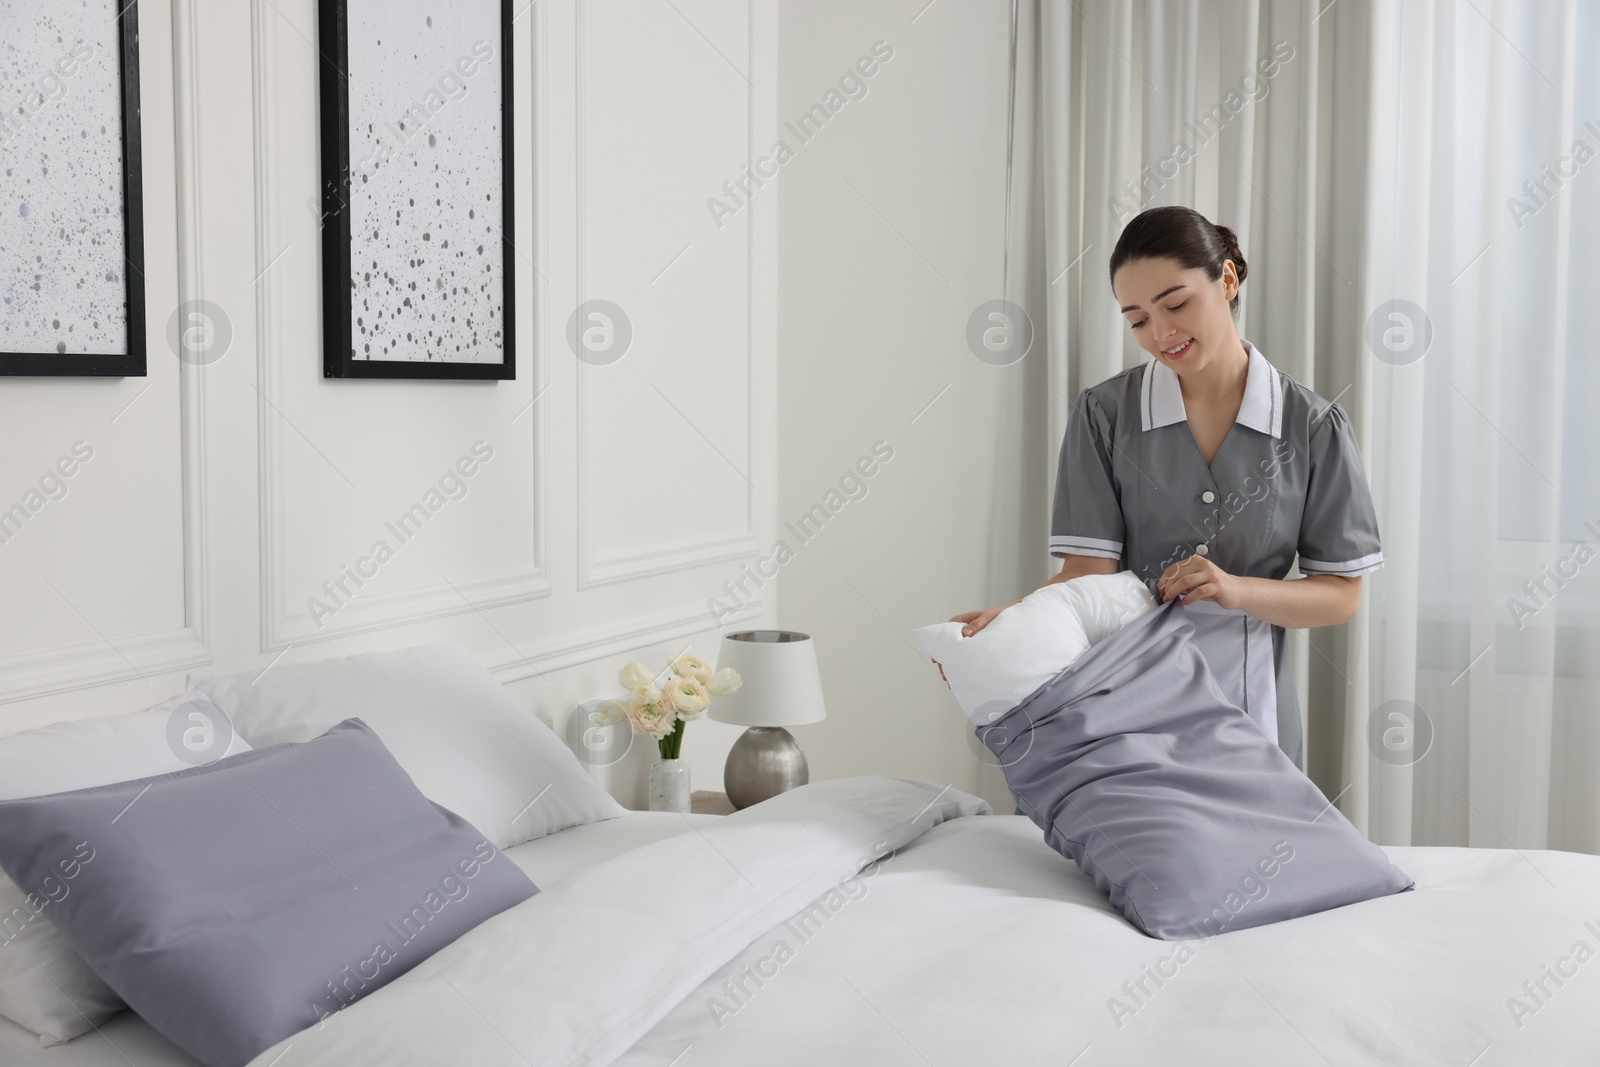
<point x="1077" y="566"/>
<point x="1298" y="603"/>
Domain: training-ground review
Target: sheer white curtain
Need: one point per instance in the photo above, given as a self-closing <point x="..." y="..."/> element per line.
<point x="1416" y="187"/>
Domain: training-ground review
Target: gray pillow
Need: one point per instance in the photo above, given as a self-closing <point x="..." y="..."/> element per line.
<point x="235" y="904"/>
<point x="1177" y="805"/>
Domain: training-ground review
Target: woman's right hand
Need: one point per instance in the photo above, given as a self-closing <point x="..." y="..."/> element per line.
<point x="977" y="620"/>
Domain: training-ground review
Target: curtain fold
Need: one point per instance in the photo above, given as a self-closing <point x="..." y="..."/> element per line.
<point x="1417" y="191"/>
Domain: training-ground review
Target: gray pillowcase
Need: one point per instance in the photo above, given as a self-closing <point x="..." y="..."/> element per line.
<point x="235" y="904"/>
<point x="1177" y="805"/>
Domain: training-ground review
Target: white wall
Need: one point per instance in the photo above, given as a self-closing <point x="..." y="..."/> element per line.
<point x="892" y="223"/>
<point x="219" y="499"/>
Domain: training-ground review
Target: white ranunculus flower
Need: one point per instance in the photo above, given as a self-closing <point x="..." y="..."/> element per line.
<point x="724" y="682"/>
<point x="650" y="694"/>
<point x="688" y="697"/>
<point x="635" y="676"/>
<point x="687" y="666"/>
<point x="654" y="719"/>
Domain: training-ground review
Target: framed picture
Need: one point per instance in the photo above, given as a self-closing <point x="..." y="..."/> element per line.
<point x="71" y="221"/>
<point x="417" y="262"/>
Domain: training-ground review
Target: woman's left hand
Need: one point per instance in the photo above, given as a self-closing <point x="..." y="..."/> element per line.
<point x="1197" y="578"/>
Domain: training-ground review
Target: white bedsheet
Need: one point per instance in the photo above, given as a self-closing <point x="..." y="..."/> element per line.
<point x="577" y="974"/>
<point x="979" y="945"/>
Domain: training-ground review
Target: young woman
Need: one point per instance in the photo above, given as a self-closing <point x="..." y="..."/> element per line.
<point x="1207" y="470"/>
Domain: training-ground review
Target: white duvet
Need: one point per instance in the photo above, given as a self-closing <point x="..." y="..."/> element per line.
<point x="971" y="942"/>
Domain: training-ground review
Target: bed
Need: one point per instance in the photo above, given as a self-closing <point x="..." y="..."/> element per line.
<point x="960" y="938"/>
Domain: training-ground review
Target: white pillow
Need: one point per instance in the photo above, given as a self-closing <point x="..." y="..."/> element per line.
<point x="461" y="736"/>
<point x="1032" y="641"/>
<point x="1105" y="603"/>
<point x="56" y="759"/>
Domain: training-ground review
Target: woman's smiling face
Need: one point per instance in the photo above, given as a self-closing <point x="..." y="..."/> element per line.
<point x="1167" y="307"/>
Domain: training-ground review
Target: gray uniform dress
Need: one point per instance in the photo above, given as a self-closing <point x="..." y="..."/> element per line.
<point x="1132" y="486"/>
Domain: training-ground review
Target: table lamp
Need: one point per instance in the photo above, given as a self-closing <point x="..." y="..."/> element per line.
<point x="781" y="687"/>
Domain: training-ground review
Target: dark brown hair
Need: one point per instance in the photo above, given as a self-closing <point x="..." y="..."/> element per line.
<point x="1184" y="235"/>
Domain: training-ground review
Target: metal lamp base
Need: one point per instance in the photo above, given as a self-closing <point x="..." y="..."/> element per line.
<point x="765" y="761"/>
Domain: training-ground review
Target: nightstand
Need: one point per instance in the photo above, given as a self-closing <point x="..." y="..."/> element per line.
<point x="705" y="802"/>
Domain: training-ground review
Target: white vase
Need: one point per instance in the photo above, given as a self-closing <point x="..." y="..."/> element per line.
<point x="669" y="785"/>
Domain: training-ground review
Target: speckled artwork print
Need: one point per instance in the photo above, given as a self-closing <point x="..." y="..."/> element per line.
<point x="62" y="289"/>
<point x="427" y="278"/>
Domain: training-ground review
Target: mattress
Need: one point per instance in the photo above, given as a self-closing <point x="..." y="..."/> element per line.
<point x="966" y="941"/>
<point x="128" y="1039"/>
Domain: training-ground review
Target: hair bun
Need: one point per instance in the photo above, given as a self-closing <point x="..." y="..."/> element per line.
<point x="1231" y="242"/>
<point x="1183" y="236"/>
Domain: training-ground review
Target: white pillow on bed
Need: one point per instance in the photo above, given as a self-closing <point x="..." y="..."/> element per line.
<point x="33" y="954"/>
<point x="1033" y="640"/>
<point x="462" y="737"/>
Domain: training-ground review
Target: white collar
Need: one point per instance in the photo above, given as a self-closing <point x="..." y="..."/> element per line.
<point x="1161" y="396"/>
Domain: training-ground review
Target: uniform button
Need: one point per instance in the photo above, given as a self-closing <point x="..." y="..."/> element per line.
<point x="1202" y="549"/>
<point x="1208" y="496"/>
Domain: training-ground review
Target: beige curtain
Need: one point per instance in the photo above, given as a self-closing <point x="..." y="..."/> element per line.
<point x="1415" y="189"/>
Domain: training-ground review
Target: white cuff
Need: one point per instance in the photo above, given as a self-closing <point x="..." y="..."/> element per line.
<point x="1348" y="569"/>
<point x="1085" y="546"/>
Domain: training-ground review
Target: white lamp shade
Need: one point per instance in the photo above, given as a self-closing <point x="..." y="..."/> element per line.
<point x="781" y="684"/>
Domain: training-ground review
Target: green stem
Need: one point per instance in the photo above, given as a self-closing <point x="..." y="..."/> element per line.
<point x="671" y="745"/>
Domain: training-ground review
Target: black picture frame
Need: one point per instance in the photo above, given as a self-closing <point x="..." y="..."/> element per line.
<point x="338" y="360"/>
<point x="131" y="364"/>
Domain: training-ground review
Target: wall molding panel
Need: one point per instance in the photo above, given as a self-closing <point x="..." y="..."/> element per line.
<point x="533" y="659"/>
<point x="190" y="274"/>
<point x="75" y="667"/>
<point x="647" y="562"/>
<point x="595" y="567"/>
<point x="113" y="659"/>
<point x="234" y="490"/>
<point x="285" y="620"/>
